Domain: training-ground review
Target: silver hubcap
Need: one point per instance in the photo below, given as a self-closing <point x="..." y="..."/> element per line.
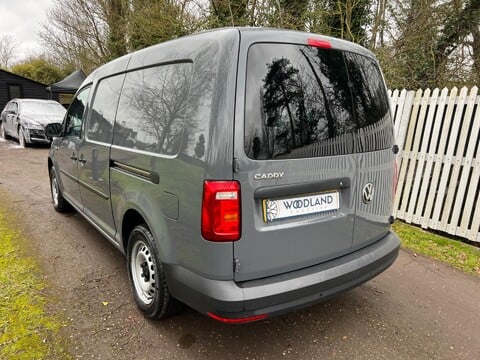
<point x="143" y="272"/>
<point x="54" y="190"/>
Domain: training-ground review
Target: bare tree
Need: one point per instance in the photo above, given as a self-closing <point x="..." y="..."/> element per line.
<point x="377" y="36"/>
<point x="8" y="48"/>
<point x="76" y="33"/>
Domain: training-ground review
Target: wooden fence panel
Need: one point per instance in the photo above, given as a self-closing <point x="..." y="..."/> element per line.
<point x="428" y="190"/>
<point x="402" y="116"/>
<point x="422" y="133"/>
<point x="464" y="154"/>
<point x="439" y="177"/>
<point x="470" y="174"/>
<point x="406" y="174"/>
<point x="417" y="202"/>
<point x="434" y="201"/>
<point x="451" y="180"/>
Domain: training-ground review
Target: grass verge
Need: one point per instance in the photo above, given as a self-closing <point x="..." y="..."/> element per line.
<point x="27" y="331"/>
<point x="456" y="253"/>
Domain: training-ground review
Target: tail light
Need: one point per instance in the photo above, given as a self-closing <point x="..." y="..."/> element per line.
<point x="221" y="211"/>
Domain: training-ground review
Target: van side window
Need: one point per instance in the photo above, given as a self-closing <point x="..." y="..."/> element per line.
<point x="104" y="107"/>
<point x="304" y="101"/>
<point x="76" y="111"/>
<point x="371" y="104"/>
<point x="152" y="108"/>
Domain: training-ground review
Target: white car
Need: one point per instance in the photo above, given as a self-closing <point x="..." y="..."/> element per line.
<point x="31" y="120"/>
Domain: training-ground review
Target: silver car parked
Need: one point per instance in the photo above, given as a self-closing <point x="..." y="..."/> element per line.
<point x="31" y="120"/>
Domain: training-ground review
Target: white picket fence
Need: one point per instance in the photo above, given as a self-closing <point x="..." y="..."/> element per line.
<point x="438" y="133"/>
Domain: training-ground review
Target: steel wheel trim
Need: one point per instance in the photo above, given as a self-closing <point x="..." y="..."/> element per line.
<point x="54" y="186"/>
<point x="143" y="272"/>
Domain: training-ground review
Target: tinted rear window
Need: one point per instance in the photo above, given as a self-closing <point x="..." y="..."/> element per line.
<point x="303" y="101"/>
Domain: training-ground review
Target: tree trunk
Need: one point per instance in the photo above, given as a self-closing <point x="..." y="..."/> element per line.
<point x="476" y="55"/>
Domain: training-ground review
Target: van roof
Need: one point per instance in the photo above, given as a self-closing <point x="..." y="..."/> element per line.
<point x="180" y="48"/>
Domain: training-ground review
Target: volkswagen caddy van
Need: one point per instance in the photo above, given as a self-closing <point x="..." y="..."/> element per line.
<point x="244" y="172"/>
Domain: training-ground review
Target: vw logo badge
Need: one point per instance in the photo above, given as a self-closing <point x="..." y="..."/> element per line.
<point x="367" y="193"/>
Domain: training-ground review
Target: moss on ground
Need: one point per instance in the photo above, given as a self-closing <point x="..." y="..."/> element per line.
<point x="27" y="330"/>
<point x="454" y="252"/>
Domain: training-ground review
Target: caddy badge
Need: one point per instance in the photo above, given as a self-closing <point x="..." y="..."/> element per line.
<point x="263" y="176"/>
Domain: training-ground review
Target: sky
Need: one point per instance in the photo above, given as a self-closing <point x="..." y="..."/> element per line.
<point x="22" y="19"/>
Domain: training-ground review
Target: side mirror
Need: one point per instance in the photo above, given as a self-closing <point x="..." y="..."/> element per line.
<point x="53" y="130"/>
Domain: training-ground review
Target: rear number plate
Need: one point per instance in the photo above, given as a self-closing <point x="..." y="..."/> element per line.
<point x="297" y="206"/>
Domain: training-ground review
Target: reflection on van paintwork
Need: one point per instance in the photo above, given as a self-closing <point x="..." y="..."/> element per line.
<point x="230" y="173"/>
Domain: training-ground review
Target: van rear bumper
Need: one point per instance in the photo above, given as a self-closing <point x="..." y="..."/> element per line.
<point x="282" y="293"/>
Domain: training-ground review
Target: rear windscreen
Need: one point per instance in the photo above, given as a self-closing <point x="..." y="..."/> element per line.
<point x="304" y="101"/>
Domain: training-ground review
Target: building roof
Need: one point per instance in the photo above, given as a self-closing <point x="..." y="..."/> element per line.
<point x="20" y="78"/>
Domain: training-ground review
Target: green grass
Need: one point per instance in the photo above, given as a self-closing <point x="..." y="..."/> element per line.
<point x="454" y="252"/>
<point x="27" y="331"/>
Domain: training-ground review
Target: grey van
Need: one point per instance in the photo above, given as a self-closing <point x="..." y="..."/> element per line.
<point x="243" y="172"/>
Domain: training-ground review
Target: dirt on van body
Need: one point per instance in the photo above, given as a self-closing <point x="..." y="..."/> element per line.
<point x="417" y="309"/>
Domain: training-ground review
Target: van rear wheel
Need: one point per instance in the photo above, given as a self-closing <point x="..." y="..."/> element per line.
<point x="147" y="276"/>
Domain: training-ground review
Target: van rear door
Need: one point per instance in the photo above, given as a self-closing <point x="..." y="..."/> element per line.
<point x="294" y="159"/>
<point x="296" y="156"/>
<point x="374" y="186"/>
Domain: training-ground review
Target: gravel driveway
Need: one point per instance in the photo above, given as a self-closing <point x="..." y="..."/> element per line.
<point x="417" y="309"/>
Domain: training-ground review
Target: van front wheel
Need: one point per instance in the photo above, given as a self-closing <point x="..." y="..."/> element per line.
<point x="59" y="202"/>
<point x="147" y="277"/>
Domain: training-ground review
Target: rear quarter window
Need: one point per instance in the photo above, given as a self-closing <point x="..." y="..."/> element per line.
<point x="152" y="108"/>
<point x="304" y="101"/>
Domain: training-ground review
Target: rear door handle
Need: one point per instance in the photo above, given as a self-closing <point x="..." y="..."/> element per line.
<point x="82" y="159"/>
<point x="73" y="157"/>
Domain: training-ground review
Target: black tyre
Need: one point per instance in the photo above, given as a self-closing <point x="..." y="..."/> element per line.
<point x="147" y="277"/>
<point x="21" y="138"/>
<point x="3" y="134"/>
<point x="59" y="202"/>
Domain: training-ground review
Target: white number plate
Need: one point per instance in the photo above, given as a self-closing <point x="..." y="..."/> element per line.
<point x="305" y="205"/>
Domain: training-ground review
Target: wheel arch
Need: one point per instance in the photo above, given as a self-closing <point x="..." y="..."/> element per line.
<point x="131" y="218"/>
<point x="134" y="216"/>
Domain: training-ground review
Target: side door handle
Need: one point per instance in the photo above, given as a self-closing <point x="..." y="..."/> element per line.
<point x="74" y="157"/>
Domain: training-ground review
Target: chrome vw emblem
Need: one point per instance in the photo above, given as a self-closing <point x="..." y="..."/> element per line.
<point x="367" y="193"/>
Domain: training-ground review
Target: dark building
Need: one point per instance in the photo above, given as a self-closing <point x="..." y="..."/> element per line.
<point x="16" y="86"/>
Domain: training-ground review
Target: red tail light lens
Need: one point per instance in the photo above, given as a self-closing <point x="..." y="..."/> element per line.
<point x="324" y="44"/>
<point x="221" y="211"/>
